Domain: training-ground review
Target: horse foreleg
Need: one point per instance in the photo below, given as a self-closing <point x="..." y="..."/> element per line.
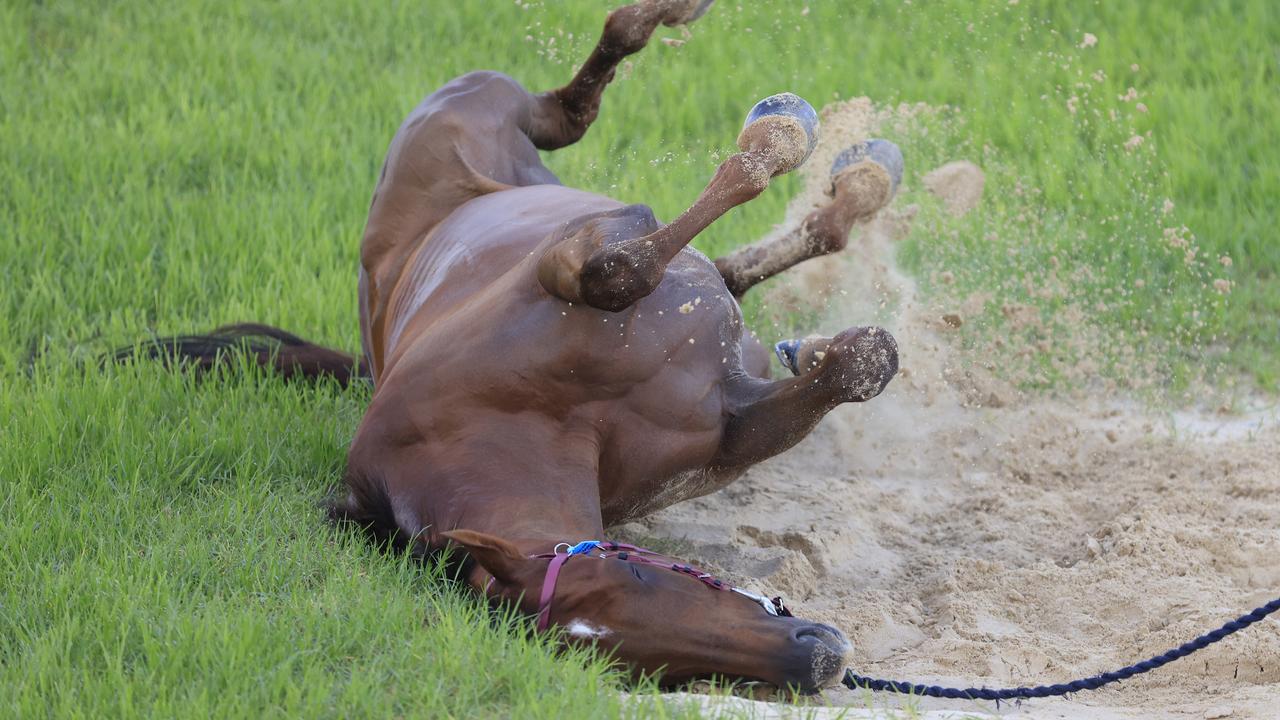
<point x="607" y="271"/>
<point x="767" y="418"/>
<point x="863" y="180"/>
<point x="562" y="116"/>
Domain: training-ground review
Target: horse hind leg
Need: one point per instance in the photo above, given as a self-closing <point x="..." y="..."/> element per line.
<point x="864" y="178"/>
<point x="610" y="271"/>
<point x="562" y="116"/>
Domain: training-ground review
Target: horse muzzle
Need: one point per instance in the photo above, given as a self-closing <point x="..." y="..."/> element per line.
<point x="814" y="659"/>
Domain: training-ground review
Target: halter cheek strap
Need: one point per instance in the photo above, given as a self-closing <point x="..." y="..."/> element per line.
<point x="629" y="553"/>
<point x="549" y="589"/>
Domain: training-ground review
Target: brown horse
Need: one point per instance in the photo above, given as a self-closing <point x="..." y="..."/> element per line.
<point x="548" y="362"/>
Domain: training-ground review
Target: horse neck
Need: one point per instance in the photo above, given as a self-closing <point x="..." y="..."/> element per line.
<point x="532" y="505"/>
<point x="533" y="524"/>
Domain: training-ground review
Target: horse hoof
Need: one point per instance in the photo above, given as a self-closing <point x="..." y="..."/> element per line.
<point x="787" y="106"/>
<point x="699" y="9"/>
<point x="881" y="152"/>
<point x="786" y="352"/>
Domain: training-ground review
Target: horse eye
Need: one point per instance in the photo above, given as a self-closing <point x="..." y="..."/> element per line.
<point x="635" y="571"/>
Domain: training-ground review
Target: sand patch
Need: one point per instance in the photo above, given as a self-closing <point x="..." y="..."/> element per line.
<point x="961" y="531"/>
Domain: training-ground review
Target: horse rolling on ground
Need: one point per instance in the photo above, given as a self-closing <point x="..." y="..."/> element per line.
<point x="548" y="362"/>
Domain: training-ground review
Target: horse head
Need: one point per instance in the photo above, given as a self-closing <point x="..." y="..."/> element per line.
<point x="658" y="616"/>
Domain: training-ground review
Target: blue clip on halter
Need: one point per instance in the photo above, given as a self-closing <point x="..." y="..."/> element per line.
<point x="583" y="547"/>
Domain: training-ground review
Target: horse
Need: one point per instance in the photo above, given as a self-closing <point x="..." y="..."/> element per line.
<point x="548" y="362"/>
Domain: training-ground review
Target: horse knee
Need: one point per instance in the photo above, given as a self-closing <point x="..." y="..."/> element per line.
<point x="616" y="277"/>
<point x="604" y="259"/>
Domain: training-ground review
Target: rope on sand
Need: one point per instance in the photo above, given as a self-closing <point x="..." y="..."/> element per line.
<point x="854" y="681"/>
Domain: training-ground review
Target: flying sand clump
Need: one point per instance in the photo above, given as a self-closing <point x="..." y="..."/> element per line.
<point x="959" y="184"/>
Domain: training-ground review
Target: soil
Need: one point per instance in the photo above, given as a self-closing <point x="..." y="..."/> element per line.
<point x="962" y="532"/>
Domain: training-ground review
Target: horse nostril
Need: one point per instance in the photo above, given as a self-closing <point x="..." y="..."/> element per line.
<point x="832" y="638"/>
<point x="821" y="659"/>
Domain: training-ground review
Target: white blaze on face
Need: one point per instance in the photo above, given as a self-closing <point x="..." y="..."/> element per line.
<point x="584" y="630"/>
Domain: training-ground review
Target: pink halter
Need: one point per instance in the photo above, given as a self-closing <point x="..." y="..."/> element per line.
<point x="631" y="553"/>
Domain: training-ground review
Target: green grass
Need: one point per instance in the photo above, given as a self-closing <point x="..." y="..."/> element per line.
<point x="172" y="166"/>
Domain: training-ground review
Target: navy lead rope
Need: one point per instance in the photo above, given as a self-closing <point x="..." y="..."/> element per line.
<point x="853" y="681"/>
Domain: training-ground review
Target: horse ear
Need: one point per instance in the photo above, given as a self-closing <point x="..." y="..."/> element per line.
<point x="503" y="561"/>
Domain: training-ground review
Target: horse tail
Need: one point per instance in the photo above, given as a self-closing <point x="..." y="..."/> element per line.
<point x="271" y="347"/>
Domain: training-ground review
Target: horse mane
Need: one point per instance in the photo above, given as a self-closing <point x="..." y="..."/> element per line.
<point x="367" y="509"/>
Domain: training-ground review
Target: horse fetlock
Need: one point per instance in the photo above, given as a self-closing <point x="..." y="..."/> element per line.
<point x="743" y="176"/>
<point x="628" y="28"/>
<point x="682" y="12"/>
<point x="824" y="234"/>
<point x="625" y="32"/>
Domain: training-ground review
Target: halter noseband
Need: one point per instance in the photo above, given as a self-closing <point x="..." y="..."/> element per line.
<point x="631" y="553"/>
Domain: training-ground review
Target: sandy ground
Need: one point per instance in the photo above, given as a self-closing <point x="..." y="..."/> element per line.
<point x="962" y="533"/>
